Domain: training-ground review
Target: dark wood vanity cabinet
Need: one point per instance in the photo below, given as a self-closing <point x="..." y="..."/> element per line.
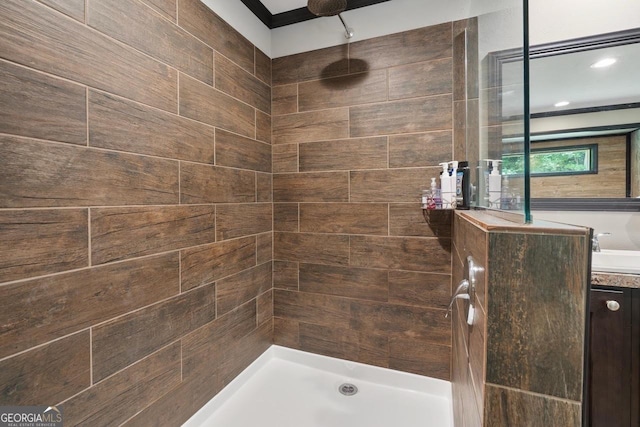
<point x="614" y="357"/>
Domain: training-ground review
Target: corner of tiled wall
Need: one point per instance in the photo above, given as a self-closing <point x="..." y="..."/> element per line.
<point x="358" y="131"/>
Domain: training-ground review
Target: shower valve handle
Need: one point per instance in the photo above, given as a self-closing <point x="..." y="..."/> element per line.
<point x="462" y="292"/>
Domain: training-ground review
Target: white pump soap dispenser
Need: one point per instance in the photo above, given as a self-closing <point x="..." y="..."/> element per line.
<point x="445" y="186"/>
<point x="495" y="185"/>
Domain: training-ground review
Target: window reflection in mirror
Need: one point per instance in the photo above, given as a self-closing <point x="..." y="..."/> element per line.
<point x="583" y="91"/>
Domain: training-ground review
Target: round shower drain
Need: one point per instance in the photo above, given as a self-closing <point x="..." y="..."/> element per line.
<point x="348" y="389"/>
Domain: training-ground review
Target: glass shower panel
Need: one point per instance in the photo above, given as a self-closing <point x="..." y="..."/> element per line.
<point x="502" y="173"/>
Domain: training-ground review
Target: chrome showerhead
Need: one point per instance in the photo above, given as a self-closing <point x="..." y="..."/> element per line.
<point x="330" y="8"/>
<point x="326" y="7"/>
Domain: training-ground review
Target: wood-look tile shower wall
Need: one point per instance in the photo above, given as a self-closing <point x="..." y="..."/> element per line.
<point x="358" y="131"/>
<point x="135" y="207"/>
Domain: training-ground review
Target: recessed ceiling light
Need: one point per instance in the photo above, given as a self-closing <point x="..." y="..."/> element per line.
<point x="606" y="62"/>
<point x="561" y="104"/>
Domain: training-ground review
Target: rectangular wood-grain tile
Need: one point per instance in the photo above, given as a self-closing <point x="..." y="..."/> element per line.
<point x="285" y="217"/>
<point x="401" y="253"/>
<point x="125" y="340"/>
<point x="393" y="185"/>
<point x="420" y="357"/>
<point x="313" y="126"/>
<point x="264" y="187"/>
<point x="345" y="218"/>
<point x="329" y="249"/>
<point x="311" y="187"/>
<point x="212" y="184"/>
<point x="406" y="116"/>
<point x="40" y="106"/>
<point x="360" y="283"/>
<point x="286" y="332"/>
<point x="51" y="373"/>
<point x="460" y="127"/>
<point x="263" y="66"/>
<point x="121" y="233"/>
<point x="472" y="137"/>
<point x="345" y="343"/>
<point x="284" y="99"/>
<point x="195" y="17"/>
<point x="423" y="289"/>
<point x="72" y="8"/>
<point x="207" y="263"/>
<point x="373" y="349"/>
<point x="41" y="242"/>
<point x="72" y="50"/>
<point x="285" y="158"/>
<point x="81" y="299"/>
<point x="225" y="331"/>
<point x="121" y="396"/>
<point x="235" y="359"/>
<point x="240" y="152"/>
<point x="420" y="149"/>
<point x="344" y="91"/>
<point x="233" y="80"/>
<point x="118" y="124"/>
<point x="423" y="44"/>
<point x="178" y="405"/>
<point x="407" y="219"/>
<point x="240" y="288"/>
<point x="312" y="308"/>
<point x="321" y="63"/>
<point x="285" y="275"/>
<point x="510" y="407"/>
<point x="166" y="8"/>
<point x="344" y="154"/>
<point x="134" y="24"/>
<point x="421" y="79"/>
<point x="203" y="103"/>
<point x="41" y="174"/>
<point x="264" y="247"/>
<point x="263" y="127"/>
<point x="241" y="220"/>
<point x="402" y="321"/>
<point x="335" y="342"/>
<point x="264" y="304"/>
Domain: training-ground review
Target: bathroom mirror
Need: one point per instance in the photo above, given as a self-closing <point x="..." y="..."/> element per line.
<point x="585" y="121"/>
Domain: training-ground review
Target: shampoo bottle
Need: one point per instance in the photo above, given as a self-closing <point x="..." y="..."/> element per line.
<point x="463" y="188"/>
<point x="495" y="185"/>
<point x="445" y="186"/>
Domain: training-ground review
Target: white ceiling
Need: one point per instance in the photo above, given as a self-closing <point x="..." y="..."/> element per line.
<point x="279" y="6"/>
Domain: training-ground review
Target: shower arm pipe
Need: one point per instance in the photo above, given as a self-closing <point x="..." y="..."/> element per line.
<point x="348" y="31"/>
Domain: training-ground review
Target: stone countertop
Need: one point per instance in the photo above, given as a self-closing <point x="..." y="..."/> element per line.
<point x="615" y="279"/>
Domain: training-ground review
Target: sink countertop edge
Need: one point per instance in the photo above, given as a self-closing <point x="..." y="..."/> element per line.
<point x="620" y="280"/>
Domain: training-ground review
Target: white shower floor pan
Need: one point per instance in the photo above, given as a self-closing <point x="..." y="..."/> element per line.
<point x="290" y="388"/>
